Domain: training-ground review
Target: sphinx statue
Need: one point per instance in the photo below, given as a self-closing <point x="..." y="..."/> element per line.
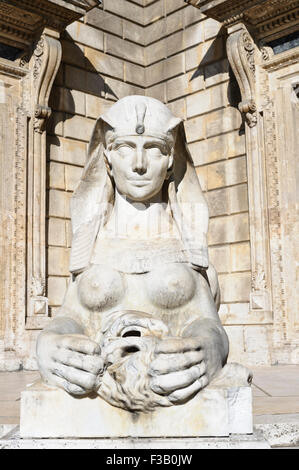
<point x="139" y="323"/>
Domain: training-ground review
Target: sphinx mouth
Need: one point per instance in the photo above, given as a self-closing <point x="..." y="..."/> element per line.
<point x="140" y="182"/>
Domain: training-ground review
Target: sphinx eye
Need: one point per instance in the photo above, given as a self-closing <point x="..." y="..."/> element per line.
<point x="156" y="150"/>
<point x="124" y="145"/>
<point x="124" y="149"/>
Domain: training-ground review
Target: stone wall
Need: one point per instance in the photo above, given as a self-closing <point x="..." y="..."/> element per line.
<point x="99" y="65"/>
<point x="187" y="68"/>
<point x="170" y="51"/>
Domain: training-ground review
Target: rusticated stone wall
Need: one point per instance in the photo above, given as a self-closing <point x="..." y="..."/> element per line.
<point x="187" y="67"/>
<point x="168" y="50"/>
<point x="99" y="65"/>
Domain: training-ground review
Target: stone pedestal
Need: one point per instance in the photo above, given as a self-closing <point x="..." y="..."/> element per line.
<point x="214" y="412"/>
<point x="235" y="441"/>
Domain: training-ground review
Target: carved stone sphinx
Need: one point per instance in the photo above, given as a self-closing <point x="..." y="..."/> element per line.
<point x="139" y="325"/>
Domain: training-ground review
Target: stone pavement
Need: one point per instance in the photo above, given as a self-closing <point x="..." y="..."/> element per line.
<point x="275" y="401"/>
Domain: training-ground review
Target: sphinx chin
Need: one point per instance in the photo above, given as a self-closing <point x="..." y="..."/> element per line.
<point x="126" y="383"/>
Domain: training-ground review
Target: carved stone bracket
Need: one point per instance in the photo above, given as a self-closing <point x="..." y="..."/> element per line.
<point x="244" y="56"/>
<point x="44" y="65"/>
<point x="241" y="56"/>
<point x="46" y="57"/>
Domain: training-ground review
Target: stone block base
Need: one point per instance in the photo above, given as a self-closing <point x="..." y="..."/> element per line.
<point x="235" y="441"/>
<point x="52" y="413"/>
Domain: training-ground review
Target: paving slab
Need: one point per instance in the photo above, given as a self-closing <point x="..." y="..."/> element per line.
<point x="9" y="408"/>
<point x="257" y="392"/>
<point x="277" y="381"/>
<point x="11" y="386"/>
<point x="15" y="420"/>
<point x="275" y="405"/>
<point x="281" y="418"/>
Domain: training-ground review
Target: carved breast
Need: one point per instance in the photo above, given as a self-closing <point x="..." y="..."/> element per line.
<point x="100" y="287"/>
<point x="170" y="285"/>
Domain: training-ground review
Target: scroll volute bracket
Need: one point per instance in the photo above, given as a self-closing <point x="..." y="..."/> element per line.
<point x="44" y="64"/>
<point x="241" y="53"/>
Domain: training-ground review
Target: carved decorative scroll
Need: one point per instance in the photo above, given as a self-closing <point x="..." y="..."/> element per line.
<point x="44" y="66"/>
<point x="241" y="54"/>
<point x="47" y="57"/>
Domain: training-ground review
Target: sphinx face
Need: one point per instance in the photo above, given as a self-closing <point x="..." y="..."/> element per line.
<point x="139" y="165"/>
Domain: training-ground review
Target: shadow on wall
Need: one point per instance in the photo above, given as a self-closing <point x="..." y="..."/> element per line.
<point x="76" y="72"/>
<point x="214" y="62"/>
<point x="213" y="55"/>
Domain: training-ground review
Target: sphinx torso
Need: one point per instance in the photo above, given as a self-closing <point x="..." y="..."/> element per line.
<point x="152" y="277"/>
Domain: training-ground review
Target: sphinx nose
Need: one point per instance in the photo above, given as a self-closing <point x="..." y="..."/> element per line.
<point x="139" y="163"/>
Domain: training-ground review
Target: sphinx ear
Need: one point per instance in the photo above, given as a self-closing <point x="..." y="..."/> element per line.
<point x="107" y="161"/>
<point x="170" y="164"/>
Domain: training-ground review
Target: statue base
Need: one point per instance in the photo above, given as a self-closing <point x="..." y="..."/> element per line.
<point x="166" y="445"/>
<point x="215" y="411"/>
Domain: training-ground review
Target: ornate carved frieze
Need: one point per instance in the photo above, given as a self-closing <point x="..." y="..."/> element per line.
<point x="281" y="76"/>
<point x="13" y="135"/>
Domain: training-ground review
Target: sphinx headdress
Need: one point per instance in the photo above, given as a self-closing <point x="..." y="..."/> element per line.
<point x="93" y="198"/>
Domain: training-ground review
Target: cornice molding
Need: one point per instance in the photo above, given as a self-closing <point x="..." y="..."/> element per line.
<point x="8" y="68"/>
<point x="265" y="19"/>
<point x="22" y="22"/>
<point x="285" y="58"/>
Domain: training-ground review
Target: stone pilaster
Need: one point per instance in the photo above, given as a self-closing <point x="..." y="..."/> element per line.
<point x="33" y="29"/>
<point x="267" y="83"/>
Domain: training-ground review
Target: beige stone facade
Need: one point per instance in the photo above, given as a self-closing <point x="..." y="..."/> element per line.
<point x="194" y="60"/>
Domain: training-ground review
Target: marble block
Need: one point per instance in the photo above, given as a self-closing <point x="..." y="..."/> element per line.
<point x="234" y="441"/>
<point x="52" y="413"/>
